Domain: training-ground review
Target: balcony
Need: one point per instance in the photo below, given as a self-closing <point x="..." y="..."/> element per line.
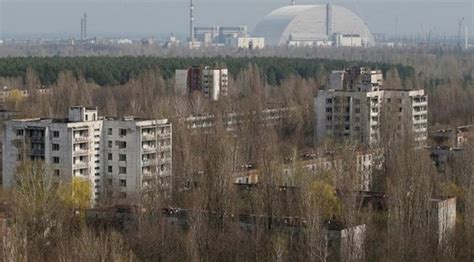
<point x="148" y="137"/>
<point x="149" y="162"/>
<point x="81" y="152"/>
<point x="81" y="165"/>
<point x="37" y="139"/>
<point x="81" y="139"/>
<point x="147" y="149"/>
<point x="164" y="135"/>
<point x="165" y="148"/>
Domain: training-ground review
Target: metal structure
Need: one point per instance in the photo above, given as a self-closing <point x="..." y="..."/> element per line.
<point x="191" y="22"/>
<point x="293" y="2"/>
<point x="310" y="23"/>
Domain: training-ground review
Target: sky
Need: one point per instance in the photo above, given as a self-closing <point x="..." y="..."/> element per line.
<point x="158" y="18"/>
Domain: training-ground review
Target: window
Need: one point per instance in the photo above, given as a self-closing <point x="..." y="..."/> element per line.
<point x="55" y="147"/>
<point x="55" y="133"/>
<point x="97" y="174"/>
<point x="122" y="170"/>
<point x="122" y="157"/>
<point x="87" y="117"/>
<point x="162" y="167"/>
<point x="123" y="132"/>
<point x="329" y="101"/>
<point x="56" y="172"/>
<point x="122" y="144"/>
<point x="123" y="182"/>
<point x="357" y="110"/>
<point x="109" y="132"/>
<point x="329" y="118"/>
<point x="110" y="169"/>
<point x="328" y="110"/>
<point x="109" y="156"/>
<point x="357" y="101"/>
<point x="20" y="132"/>
<point x="123" y="195"/>
<point x="162" y="155"/>
<point x="56" y="160"/>
<point x="110" y="144"/>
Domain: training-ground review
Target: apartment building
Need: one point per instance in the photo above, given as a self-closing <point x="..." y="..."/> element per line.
<point x="357" y="106"/>
<point x="212" y="83"/>
<point x="112" y="154"/>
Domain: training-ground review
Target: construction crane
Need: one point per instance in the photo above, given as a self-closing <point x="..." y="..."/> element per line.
<point x="460" y="23"/>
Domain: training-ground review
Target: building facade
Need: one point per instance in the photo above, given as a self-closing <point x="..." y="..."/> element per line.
<point x="212" y="83"/>
<point x="124" y="155"/>
<point x="246" y="42"/>
<point x="357" y="106"/>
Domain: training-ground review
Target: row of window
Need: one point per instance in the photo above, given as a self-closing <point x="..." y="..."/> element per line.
<point x="122" y="170"/>
<point x="122" y="157"/>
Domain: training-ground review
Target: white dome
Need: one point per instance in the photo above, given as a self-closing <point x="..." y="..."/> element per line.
<point x="308" y="23"/>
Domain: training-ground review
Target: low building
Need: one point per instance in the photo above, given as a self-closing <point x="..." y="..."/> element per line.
<point x="246" y="42"/>
<point x="10" y="94"/>
<point x="457" y="137"/>
<point x="345" y="243"/>
<point x="347" y="40"/>
<point x="124" y="155"/>
<point x="443" y="218"/>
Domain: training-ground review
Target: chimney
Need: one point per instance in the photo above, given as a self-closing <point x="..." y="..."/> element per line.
<point x="329" y="21"/>
<point x="85" y="26"/>
<point x="191" y="23"/>
<point x="82" y="28"/>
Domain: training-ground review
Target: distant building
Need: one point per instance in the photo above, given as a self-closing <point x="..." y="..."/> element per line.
<point x="347" y="40"/>
<point x="210" y="82"/>
<point x="364" y="161"/>
<point x="8" y="93"/>
<point x="172" y="42"/>
<point x="447" y="146"/>
<point x="126" y="156"/>
<point x="246" y="42"/>
<point x="312" y="25"/>
<point x="356" y="106"/>
<point x="457" y="137"/>
<point x="218" y="34"/>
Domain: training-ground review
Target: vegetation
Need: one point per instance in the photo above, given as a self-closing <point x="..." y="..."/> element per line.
<point x="45" y="225"/>
<point x="106" y="71"/>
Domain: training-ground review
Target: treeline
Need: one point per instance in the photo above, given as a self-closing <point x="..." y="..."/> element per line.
<point x="108" y="71"/>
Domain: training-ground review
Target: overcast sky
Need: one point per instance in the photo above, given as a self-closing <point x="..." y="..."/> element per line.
<point x="161" y="17"/>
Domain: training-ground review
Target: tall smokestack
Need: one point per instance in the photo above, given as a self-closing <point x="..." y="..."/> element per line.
<point x="85" y="26"/>
<point x="191" y="23"/>
<point x="329" y="21"/>
<point x="293" y="2"/>
<point x="82" y="28"/>
<point x="466" y="45"/>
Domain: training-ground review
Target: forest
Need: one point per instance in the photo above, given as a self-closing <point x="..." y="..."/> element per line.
<point x="47" y="225"/>
<point x="106" y="71"/>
